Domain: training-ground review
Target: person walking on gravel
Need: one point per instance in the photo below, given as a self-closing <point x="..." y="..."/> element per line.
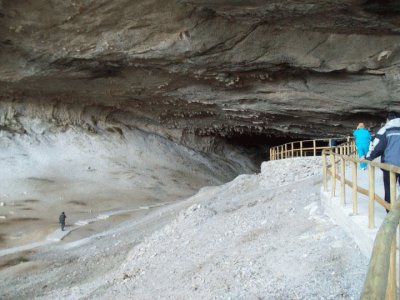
<point x="62" y="220"/>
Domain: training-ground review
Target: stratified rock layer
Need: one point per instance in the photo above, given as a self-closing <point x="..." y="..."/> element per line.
<point x="201" y="69"/>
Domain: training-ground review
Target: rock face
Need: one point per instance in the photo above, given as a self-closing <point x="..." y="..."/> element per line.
<point x="201" y="71"/>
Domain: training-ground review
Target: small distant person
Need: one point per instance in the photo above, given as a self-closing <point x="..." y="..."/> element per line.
<point x="387" y="145"/>
<point x="332" y="143"/>
<point x="363" y="140"/>
<point x="62" y="220"/>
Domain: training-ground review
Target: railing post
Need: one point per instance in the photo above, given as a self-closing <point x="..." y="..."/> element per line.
<point x="391" y="288"/>
<point x="333" y="175"/>
<point x="301" y="148"/>
<point x="342" y="182"/>
<point x="354" y="191"/>
<point x="286" y="152"/>
<point x="371" y="202"/>
<point x="291" y="145"/>
<point x="324" y="170"/>
<point x="315" y="147"/>
<point x="392" y="189"/>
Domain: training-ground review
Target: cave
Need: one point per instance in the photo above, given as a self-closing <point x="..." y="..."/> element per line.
<point x="109" y="105"/>
<point x="220" y="82"/>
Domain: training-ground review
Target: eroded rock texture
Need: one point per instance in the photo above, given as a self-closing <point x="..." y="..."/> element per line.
<point x="199" y="70"/>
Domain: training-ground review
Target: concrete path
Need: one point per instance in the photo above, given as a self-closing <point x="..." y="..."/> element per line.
<point x="356" y="225"/>
<point x="58" y="235"/>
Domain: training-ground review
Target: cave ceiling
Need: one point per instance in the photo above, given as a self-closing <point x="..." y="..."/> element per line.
<point x="303" y="69"/>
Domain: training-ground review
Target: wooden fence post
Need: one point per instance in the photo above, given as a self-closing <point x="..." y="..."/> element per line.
<point x="324" y="173"/>
<point x="301" y="148"/>
<point x="333" y="174"/>
<point x="371" y="202"/>
<point x="392" y="189"/>
<point x="342" y="182"/>
<point x="354" y="194"/>
<point x="391" y="288"/>
<point x="292" y="149"/>
<point x="286" y="151"/>
<point x="392" y="280"/>
<point x="315" y="147"/>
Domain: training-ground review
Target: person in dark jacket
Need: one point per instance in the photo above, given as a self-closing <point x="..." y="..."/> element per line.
<point x="62" y="220"/>
<point x="387" y="145"/>
<point x="363" y="139"/>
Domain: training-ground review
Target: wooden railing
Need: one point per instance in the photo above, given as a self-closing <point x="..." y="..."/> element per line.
<point x="334" y="167"/>
<point x="381" y="278"/>
<point x="381" y="281"/>
<point x="337" y="170"/>
<point x="308" y="148"/>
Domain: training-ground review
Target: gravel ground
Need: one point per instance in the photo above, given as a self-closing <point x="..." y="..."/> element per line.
<point x="260" y="236"/>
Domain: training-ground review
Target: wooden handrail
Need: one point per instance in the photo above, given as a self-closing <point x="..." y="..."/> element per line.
<point x="301" y="148"/>
<point x="381" y="277"/>
<point x="361" y="190"/>
<point x="387" y="167"/>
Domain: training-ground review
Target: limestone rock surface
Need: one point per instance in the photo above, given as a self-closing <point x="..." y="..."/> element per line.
<point x="197" y="71"/>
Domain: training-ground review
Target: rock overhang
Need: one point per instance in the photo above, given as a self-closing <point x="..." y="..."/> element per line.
<point x="214" y="69"/>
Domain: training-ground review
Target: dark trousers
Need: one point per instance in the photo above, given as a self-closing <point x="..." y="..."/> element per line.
<point x="386" y="183"/>
<point x="62" y="225"/>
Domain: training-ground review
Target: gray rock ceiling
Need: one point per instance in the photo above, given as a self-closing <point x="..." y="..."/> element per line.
<point x="190" y="69"/>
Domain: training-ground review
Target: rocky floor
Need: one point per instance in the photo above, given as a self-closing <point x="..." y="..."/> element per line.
<point x="259" y="236"/>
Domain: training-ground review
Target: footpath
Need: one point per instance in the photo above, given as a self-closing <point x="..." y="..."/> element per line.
<point x="355" y="225"/>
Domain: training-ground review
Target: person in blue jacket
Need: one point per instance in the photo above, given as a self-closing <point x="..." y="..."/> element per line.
<point x="363" y="139"/>
<point x="387" y="145"/>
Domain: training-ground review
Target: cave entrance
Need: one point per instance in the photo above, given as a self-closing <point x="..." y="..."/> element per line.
<point x="257" y="145"/>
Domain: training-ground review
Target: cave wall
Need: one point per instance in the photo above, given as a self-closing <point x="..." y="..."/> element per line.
<point x="201" y="70"/>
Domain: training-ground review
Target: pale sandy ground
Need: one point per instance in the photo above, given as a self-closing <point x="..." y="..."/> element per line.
<point x="260" y="236"/>
<point x="43" y="173"/>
